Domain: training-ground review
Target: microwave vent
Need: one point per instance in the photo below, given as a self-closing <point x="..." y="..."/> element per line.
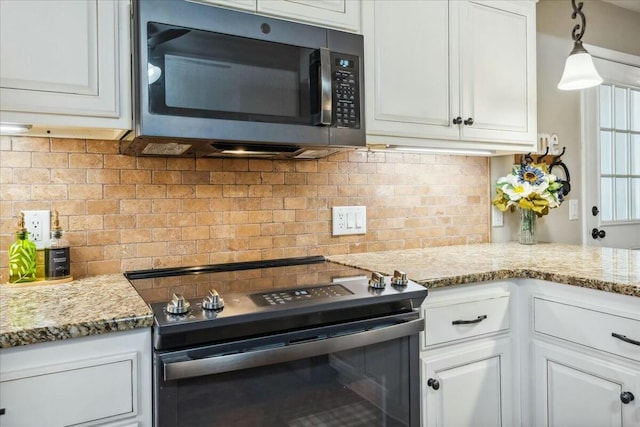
<point x="165" y="149"/>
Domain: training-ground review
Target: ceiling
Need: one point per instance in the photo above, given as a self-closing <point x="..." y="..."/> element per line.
<point x="626" y="4"/>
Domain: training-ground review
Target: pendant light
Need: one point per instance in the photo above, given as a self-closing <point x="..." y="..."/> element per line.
<point x="579" y="71"/>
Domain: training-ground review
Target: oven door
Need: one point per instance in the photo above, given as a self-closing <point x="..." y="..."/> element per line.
<point x="363" y="373"/>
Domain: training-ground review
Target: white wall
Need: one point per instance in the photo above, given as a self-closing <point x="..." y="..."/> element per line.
<point x="607" y="26"/>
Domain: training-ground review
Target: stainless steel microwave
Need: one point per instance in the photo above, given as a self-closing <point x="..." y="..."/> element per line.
<point x="211" y="81"/>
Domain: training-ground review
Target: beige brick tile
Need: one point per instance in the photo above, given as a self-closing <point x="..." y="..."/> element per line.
<point x="151" y="220"/>
<point x="31" y="175"/>
<point x="271" y="229"/>
<point x="95" y="268"/>
<point x="30" y="144"/>
<point x="222" y="178"/>
<point x="248" y="178"/>
<point x="295" y="203"/>
<point x="151" y="191"/>
<point x="180" y="191"/>
<point x="205" y="164"/>
<point x="259" y="216"/>
<point x="85" y="191"/>
<point x="49" y="192"/>
<point x="180" y="164"/>
<point x="235" y="190"/>
<point x="222" y="231"/>
<point x="103" y="176"/>
<point x="101" y="207"/>
<point x="167" y="234"/>
<point x="247" y="203"/>
<point x="248" y="230"/>
<point x="211" y="218"/>
<point x="153" y="163"/>
<point x="119" y="221"/>
<point x="166" y="177"/>
<point x="48" y="160"/>
<point x="195" y="205"/>
<point x="260" y="165"/>
<point x="68" y="176"/>
<point x="153" y="249"/>
<point x="102" y="146"/>
<point x="88" y="161"/>
<point x="284" y="216"/>
<point x="210" y="191"/>
<point x="119" y="192"/>
<point x="295" y="178"/>
<point x="135" y="206"/>
<point x="87" y="253"/>
<point x="68" y="145"/>
<point x="181" y="219"/>
<point x="117" y="161"/>
<point x="195" y="232"/>
<point x="119" y="251"/>
<point x="135" y="177"/>
<point x="102" y="237"/>
<point x="166" y="205"/>
<point x="200" y="177"/>
<point x="263" y="242"/>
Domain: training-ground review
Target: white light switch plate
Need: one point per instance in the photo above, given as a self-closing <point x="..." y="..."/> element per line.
<point x="349" y="220"/>
<point x="573" y="209"/>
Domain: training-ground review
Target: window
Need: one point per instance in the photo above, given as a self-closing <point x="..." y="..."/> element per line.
<point x="619" y="153"/>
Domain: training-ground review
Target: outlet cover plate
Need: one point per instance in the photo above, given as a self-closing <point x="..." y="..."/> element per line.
<point x="38" y="224"/>
<point x="349" y="220"/>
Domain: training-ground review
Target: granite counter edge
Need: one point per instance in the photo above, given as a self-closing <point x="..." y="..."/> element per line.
<point x="487" y="276"/>
<point x="74" y="330"/>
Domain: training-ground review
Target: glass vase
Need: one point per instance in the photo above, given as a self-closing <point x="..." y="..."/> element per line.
<point x="527" y="235"/>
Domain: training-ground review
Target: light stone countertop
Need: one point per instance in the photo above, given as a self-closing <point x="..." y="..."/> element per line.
<point x="607" y="269"/>
<point x="33" y="313"/>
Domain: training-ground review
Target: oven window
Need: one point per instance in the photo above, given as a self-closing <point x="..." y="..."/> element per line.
<point x="198" y="73"/>
<point x="368" y="386"/>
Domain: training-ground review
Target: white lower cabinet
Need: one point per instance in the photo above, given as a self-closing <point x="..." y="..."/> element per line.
<point x="102" y="380"/>
<point x="469" y="385"/>
<point x="574" y="389"/>
<point x="467" y="362"/>
<point x="585" y="357"/>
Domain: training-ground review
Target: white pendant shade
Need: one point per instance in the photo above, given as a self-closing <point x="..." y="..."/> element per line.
<point x="579" y="72"/>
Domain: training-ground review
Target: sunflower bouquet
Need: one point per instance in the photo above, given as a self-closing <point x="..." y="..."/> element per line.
<point x="530" y="187"/>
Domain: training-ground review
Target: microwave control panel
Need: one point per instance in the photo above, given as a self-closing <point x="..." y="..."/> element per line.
<point x="345" y="78"/>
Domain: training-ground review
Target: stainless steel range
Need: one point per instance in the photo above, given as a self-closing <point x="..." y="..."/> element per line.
<point x="287" y="342"/>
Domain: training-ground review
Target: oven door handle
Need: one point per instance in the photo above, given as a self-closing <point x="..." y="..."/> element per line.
<point x="234" y="362"/>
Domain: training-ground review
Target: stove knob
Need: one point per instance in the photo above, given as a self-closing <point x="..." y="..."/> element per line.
<point x="377" y="281"/>
<point x="399" y="278"/>
<point x="178" y="305"/>
<point x="213" y="301"/>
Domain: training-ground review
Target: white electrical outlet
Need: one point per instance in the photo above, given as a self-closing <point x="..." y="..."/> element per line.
<point x="573" y="209"/>
<point x="38" y="224"/>
<point x="497" y="217"/>
<point x="349" y="220"/>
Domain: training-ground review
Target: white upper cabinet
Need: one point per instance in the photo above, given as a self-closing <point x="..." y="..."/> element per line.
<point x="451" y="74"/>
<point x="339" y="14"/>
<point x="65" y="66"/>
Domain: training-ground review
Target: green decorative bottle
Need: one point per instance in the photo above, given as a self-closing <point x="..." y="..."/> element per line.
<point x="22" y="256"/>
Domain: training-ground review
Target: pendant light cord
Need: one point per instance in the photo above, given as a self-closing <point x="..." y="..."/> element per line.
<point x="578" y="30"/>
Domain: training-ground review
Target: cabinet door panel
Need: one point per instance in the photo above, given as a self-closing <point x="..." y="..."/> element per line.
<point x="412" y="76"/>
<point x="569" y="390"/>
<point x="36" y="60"/>
<point x="61" y="58"/>
<point x="70" y="396"/>
<point x="342" y="14"/>
<point x="577" y="390"/>
<point x="476" y="385"/>
<point x="471" y="394"/>
<point x="497" y="74"/>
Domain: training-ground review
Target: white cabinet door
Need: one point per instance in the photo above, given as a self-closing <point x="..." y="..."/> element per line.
<point x="451" y="74"/>
<point x="474" y="385"/>
<point x="65" y="63"/>
<point x="497" y="62"/>
<point x="102" y="380"/>
<point x="342" y="14"/>
<point x="573" y="389"/>
<point x="411" y="72"/>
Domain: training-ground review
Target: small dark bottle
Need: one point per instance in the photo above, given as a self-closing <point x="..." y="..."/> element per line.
<point x="57" y="262"/>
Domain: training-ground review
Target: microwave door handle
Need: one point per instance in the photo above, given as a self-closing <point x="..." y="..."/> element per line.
<point x="324" y="83"/>
<point x="252" y="359"/>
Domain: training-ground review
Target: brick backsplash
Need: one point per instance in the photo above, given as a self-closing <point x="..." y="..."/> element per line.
<point x="126" y="213"/>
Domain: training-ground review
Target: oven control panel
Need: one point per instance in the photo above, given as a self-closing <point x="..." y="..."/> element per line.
<point x="288" y="296"/>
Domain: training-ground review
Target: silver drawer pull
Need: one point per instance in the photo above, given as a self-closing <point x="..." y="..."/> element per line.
<point x="469" y="322"/>
<point x="625" y="339"/>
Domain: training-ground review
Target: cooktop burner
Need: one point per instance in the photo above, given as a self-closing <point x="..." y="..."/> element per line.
<point x="223" y="301"/>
